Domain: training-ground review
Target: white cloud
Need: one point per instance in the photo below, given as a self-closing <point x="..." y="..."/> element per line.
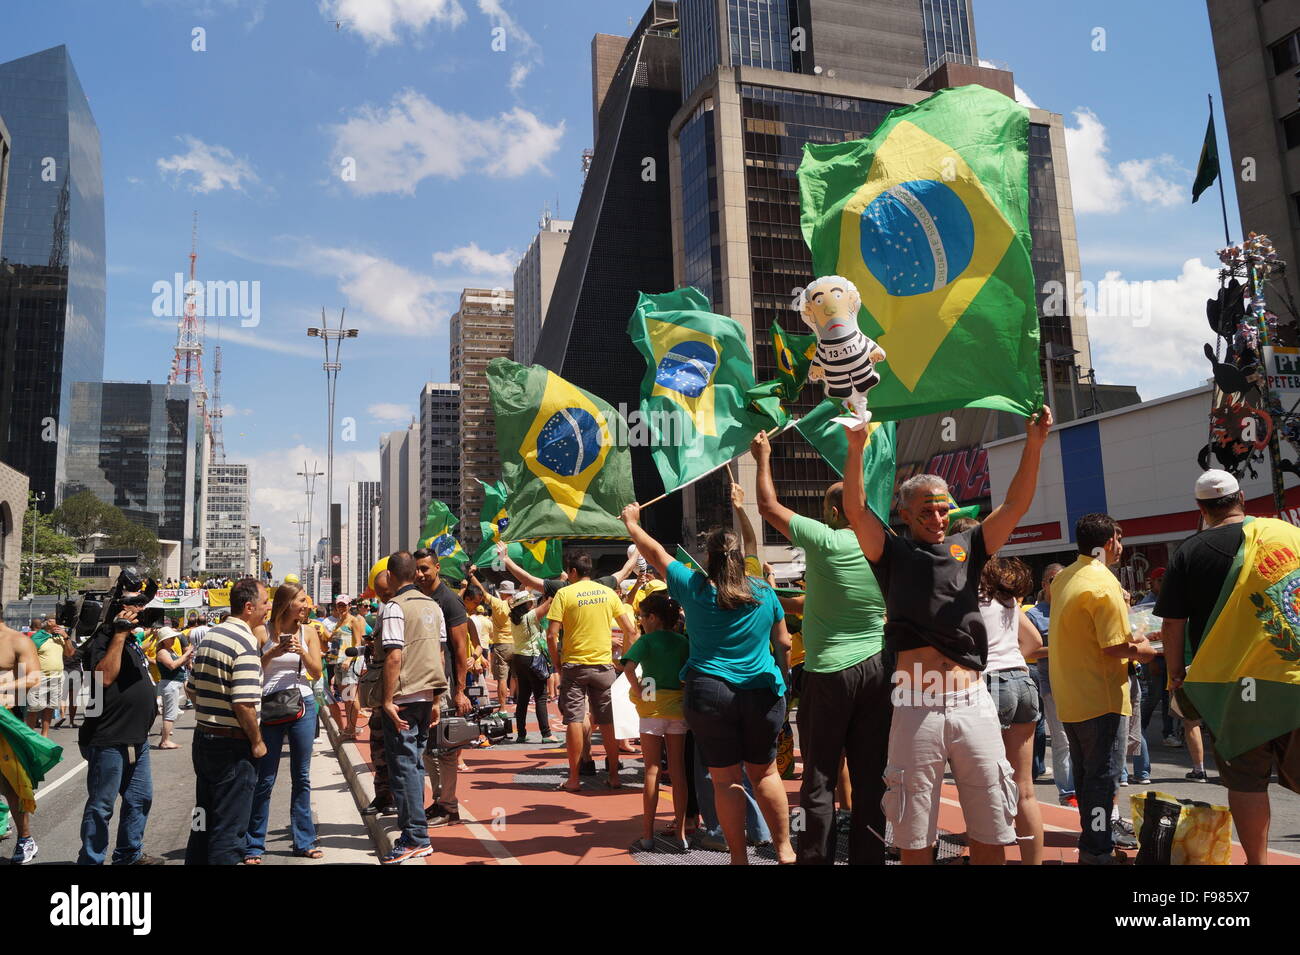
<point x="279" y="497"/>
<point x="479" y="261"/>
<point x="1099" y="186"/>
<point x="528" y="53"/>
<point x="215" y="166"/>
<point x="1151" y="334"/>
<point x="395" y="149"/>
<point x="377" y="21"/>
<point x="387" y="412"/>
<point x="390" y="292"/>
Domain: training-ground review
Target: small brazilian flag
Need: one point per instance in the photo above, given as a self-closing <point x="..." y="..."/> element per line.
<point x="929" y="218"/>
<point x="437" y="538"/>
<point x="878" y="457"/>
<point x="684" y="556"/>
<point x="564" y="457"/>
<point x="541" y="558"/>
<point x="694" y="396"/>
<point x="794" y="355"/>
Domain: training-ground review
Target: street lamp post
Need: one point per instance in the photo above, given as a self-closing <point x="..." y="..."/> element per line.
<point x="37" y="497"/>
<point x="309" y="477"/>
<point x="332" y="367"/>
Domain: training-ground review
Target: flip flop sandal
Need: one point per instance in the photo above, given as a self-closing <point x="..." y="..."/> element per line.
<point x="312" y="853"/>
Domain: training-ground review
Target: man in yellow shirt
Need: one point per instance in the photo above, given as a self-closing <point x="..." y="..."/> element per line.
<point x="501" y="647"/>
<point x="587" y="611"/>
<point x="1088" y="666"/>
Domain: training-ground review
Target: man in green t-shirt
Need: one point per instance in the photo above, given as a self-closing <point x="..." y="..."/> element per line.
<point x="844" y="702"/>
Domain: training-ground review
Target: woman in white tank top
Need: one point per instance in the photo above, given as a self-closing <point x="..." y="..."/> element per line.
<point x="291" y="659"/>
<point x="1004" y="583"/>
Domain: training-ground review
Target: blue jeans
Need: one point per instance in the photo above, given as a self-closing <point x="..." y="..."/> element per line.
<point x="405" y="752"/>
<point x="224" y="776"/>
<point x="755" y="826"/>
<point x="1095" y="759"/>
<point x="302" y="737"/>
<point x="112" y="771"/>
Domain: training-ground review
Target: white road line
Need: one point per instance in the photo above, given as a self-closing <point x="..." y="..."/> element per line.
<point x="45" y="789"/>
<point x="490" y="842"/>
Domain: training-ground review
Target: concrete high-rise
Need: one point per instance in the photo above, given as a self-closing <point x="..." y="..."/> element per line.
<point x="399" y="494"/>
<point x="1257" y="46"/>
<point x="750" y="101"/>
<point x="363" y="534"/>
<point x="482" y="329"/>
<point x="622" y="237"/>
<point x="440" y="445"/>
<point x="534" y="283"/>
<point x="52" y="270"/>
<point x="225" y="539"/>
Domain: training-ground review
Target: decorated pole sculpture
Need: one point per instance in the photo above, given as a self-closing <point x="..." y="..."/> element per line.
<point x="845" y="361"/>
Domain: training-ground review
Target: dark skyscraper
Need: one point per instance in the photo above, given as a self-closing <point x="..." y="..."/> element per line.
<point x="51" y="264"/>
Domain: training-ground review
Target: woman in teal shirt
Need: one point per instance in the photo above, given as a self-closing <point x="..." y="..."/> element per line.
<point x="732" y="687"/>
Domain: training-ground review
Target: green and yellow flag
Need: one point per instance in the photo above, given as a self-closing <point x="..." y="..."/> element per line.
<point x="929" y="218"/>
<point x="564" y="457"/>
<point x="684" y="556"/>
<point x="541" y="558"/>
<point x="878" y="457"/>
<point x="1207" y="167"/>
<point x="1245" y="677"/>
<point x="794" y="355"/>
<point x="694" y="396"/>
<point x="437" y="538"/>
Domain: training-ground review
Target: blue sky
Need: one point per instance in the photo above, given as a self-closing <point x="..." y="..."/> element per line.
<point x="457" y="148"/>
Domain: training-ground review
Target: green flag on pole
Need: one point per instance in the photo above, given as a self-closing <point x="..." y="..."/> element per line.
<point x="794" y="355"/>
<point x="1207" y="169"/>
<point x="437" y="538"/>
<point x="684" y="556"/>
<point x="541" y="558"/>
<point x="878" y="457"/>
<point x="694" y="396"/>
<point x="929" y="218"/>
<point x="564" y="457"/>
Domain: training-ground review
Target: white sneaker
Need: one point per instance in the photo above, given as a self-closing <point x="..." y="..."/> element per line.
<point x="24" y="852"/>
<point x="1173" y="741"/>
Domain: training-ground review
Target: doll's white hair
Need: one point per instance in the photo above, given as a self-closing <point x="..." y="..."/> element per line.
<point x="807" y="293"/>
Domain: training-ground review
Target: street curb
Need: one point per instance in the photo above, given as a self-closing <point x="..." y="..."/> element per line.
<point x="360" y="780"/>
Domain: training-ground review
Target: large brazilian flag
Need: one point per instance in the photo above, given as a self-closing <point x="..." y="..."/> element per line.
<point x="437" y="538"/>
<point x="541" y="558"/>
<point x="1244" y="680"/>
<point x="564" y="457"/>
<point x="929" y="218"/>
<point x="694" y="395"/>
<point x="879" y="457"/>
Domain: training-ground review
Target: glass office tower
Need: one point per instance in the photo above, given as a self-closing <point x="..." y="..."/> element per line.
<point x="51" y="264"/>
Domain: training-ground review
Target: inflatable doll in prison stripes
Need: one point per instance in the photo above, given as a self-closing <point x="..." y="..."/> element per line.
<point x="846" y="358"/>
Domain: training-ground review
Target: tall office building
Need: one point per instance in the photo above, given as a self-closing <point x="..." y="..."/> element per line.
<point x="1257" y="46"/>
<point x="256" y="550"/>
<point x="534" y="283"/>
<point x="335" y="566"/>
<point x="226" y="527"/>
<point x="132" y="445"/>
<point x="621" y="241"/>
<point x="52" y="276"/>
<point x="482" y="329"/>
<point x="750" y="103"/>
<point x="363" y="534"/>
<point x="400" y="516"/>
<point x="440" y="445"/>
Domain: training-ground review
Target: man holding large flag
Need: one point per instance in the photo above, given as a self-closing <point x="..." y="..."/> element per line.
<point x="844" y="705"/>
<point x="1229" y="607"/>
<point x="929" y="218"/>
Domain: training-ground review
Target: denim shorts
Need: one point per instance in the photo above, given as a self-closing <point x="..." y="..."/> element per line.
<point x="1015" y="695"/>
<point x="732" y="724"/>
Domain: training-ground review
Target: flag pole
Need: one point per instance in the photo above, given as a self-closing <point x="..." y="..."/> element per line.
<point x="1223" y="203"/>
<point x="725" y="464"/>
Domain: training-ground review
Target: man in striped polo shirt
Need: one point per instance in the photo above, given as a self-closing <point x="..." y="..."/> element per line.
<point x="226" y="686"/>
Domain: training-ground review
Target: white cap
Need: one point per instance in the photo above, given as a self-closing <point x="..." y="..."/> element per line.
<point x="342" y="599"/>
<point x="1214" y="484"/>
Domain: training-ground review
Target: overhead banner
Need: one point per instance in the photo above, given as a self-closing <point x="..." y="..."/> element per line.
<point x="181" y="599"/>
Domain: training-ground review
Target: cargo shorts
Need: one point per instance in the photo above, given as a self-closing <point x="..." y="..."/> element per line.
<point x="960" y="728"/>
<point x="582" y="683"/>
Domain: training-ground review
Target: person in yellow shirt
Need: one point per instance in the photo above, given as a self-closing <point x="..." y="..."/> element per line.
<point x="501" y="647"/>
<point x="1088" y="666"/>
<point x="587" y="611"/>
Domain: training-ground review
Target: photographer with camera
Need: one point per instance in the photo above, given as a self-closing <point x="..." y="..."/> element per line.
<point x="443" y="765"/>
<point x="115" y="743"/>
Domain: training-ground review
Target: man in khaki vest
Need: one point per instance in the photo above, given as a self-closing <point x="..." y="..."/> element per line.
<point x="411" y="632"/>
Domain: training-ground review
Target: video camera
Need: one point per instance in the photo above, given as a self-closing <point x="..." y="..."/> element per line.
<point x="454" y="731"/>
<point x="85" y="614"/>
